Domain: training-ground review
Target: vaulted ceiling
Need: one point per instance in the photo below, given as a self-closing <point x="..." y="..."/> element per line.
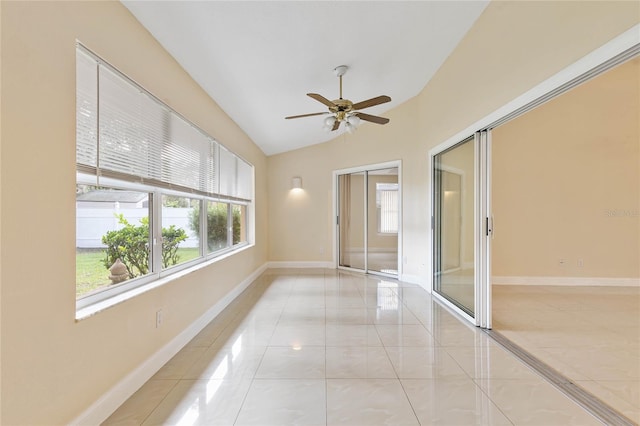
<point x="258" y="60"/>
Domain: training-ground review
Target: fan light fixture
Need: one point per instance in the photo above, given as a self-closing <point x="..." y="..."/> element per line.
<point x="343" y="110"/>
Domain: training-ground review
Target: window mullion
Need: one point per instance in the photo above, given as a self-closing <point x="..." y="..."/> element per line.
<point x="229" y="225"/>
<point x="155" y="226"/>
<point x="204" y="238"/>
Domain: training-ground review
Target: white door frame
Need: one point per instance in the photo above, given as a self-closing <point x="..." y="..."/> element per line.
<point x="616" y="51"/>
<point x="336" y="213"/>
<point x="482" y="230"/>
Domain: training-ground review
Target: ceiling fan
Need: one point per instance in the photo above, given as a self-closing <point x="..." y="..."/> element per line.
<point x="344" y="110"/>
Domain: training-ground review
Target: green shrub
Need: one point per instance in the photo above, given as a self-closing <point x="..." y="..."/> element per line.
<point x="216" y="225"/>
<point x="131" y="245"/>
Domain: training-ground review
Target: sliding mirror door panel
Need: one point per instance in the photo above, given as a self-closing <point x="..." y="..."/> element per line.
<point x="382" y="220"/>
<point x="369" y="220"/>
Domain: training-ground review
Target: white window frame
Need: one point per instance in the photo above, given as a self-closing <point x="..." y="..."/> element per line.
<point x="239" y="191"/>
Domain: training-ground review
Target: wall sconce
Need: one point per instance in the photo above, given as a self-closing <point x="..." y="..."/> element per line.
<point x="296" y="183"/>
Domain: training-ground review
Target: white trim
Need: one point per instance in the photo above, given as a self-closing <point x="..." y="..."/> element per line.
<point x="301" y="264"/>
<point x="335" y="203"/>
<point x="423" y="282"/>
<point x="453" y="308"/>
<point x="370" y="167"/>
<point x="101" y="409"/>
<point x="106" y="303"/>
<point x="567" y="281"/>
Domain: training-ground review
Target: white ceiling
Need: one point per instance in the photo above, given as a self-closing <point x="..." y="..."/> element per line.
<point x="258" y="60"/>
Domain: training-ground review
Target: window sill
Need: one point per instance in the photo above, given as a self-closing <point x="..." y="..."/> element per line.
<point x="93" y="309"/>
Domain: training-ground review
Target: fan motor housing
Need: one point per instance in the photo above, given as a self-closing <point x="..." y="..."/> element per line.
<point x="344" y="105"/>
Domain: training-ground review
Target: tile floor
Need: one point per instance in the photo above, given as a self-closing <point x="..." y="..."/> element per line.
<point x="324" y="347"/>
<point x="589" y="334"/>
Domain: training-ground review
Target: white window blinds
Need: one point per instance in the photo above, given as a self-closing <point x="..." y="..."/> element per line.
<point x="125" y="133"/>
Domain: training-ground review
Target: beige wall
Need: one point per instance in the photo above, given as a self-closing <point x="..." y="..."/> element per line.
<point x="291" y="239"/>
<point x="512" y="47"/>
<point x="53" y="367"/>
<point x="567" y="183"/>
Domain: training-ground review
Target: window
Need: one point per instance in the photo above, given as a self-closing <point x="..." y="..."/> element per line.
<point x="387" y="206"/>
<point x="110" y="224"/>
<point x="217" y="226"/>
<point x="180" y="230"/>
<point x="144" y="177"/>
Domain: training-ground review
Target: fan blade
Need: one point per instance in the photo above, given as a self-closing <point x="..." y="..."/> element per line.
<point x="372" y="118"/>
<point x="372" y="102"/>
<point x="306" y="115"/>
<point x="336" y="125"/>
<point x="321" y="99"/>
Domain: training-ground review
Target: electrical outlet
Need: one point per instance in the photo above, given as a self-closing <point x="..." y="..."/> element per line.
<point x="580" y="263"/>
<point x="159" y="318"/>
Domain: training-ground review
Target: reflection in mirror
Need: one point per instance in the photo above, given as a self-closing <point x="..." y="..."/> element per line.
<point x="454" y="251"/>
<point x="387" y="296"/>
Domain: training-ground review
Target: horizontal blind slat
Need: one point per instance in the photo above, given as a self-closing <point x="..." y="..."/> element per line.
<point x="124" y="131"/>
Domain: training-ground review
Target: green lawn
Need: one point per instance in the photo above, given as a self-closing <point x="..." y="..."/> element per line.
<point x="91" y="273"/>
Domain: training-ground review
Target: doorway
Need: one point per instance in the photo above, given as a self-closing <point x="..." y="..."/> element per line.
<point x="368" y="219"/>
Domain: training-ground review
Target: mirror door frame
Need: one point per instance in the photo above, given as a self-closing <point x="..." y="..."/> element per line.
<point x="336" y="213"/>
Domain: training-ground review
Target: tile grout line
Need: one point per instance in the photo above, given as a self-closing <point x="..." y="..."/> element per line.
<point x="595" y="406"/>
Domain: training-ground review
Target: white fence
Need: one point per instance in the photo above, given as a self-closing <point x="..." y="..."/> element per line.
<point x="93" y="223"/>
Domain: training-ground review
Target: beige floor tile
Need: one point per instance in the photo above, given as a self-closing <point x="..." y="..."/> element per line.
<point x="358" y="362"/>
<point x="368" y="402"/>
<point x="137" y="408"/>
<point x="353" y="316"/>
<point x="306" y="316"/>
<point x="609" y="363"/>
<point x="405" y="335"/>
<point x="625" y="390"/>
<point x="352" y="335"/>
<point x="534" y="402"/>
<point x="589" y="334"/>
<point x="180" y="363"/>
<point x="233" y="362"/>
<point x="355" y="301"/>
<point x="209" y="334"/>
<point x="490" y="362"/>
<point x="461" y="335"/>
<point x="250" y="334"/>
<point x="327" y="347"/>
<point x="306" y="362"/>
<point x="424" y="363"/>
<point x="391" y="316"/>
<point x="452" y="402"/>
<point x="284" y="402"/>
<point x="294" y="335"/>
<point x="623" y="396"/>
<point x="201" y="402"/>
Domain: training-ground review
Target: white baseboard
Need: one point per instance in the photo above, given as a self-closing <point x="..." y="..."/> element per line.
<point x="567" y="281"/>
<point x="416" y="279"/>
<point x="301" y="264"/>
<point x="100" y="410"/>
